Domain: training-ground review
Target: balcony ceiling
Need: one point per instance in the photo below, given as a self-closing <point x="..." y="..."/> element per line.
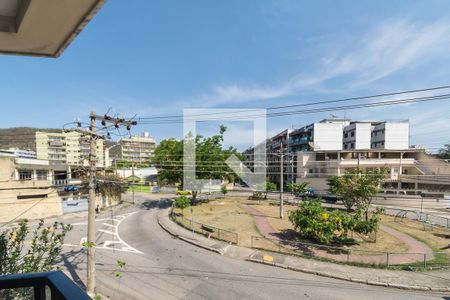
<point x="43" y="27"/>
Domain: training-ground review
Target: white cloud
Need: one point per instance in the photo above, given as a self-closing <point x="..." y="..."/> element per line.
<point x="392" y="46"/>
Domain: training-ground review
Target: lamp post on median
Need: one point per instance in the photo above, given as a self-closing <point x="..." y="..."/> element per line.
<point x="281" y="155"/>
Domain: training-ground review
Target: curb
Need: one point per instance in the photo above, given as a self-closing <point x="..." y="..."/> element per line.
<point x="308" y="271"/>
<point x="187" y="240"/>
<point x="356" y="280"/>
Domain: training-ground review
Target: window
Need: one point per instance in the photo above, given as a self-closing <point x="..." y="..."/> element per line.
<point x="25" y="175"/>
<point x="346" y="135"/>
<point x="345" y="146"/>
<point x="42" y="174"/>
<point x="352" y="145"/>
<point x="352" y="134"/>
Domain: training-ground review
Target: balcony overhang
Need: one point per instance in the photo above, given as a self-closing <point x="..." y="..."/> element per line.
<point x="43" y="27"/>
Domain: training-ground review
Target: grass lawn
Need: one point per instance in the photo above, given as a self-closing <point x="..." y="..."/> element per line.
<point x="225" y="214"/>
<point x="385" y="241"/>
<point x="140" y="188"/>
<point x="438" y="238"/>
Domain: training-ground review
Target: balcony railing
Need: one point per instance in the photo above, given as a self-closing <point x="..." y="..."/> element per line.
<point x="40" y="286"/>
<point x="59" y="182"/>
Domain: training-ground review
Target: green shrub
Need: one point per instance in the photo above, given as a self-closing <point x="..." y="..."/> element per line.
<point x="314" y="222"/>
<point x="182" y="202"/>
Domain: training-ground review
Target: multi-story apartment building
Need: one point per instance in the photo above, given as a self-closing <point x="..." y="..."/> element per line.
<point x="137" y="149"/>
<point x="68" y="148"/>
<point x="330" y="147"/>
<point x="389" y="135"/>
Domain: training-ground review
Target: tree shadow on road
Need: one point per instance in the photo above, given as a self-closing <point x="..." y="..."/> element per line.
<point x="163" y="203"/>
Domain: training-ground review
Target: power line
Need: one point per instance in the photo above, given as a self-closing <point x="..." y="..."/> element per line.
<point x="317" y="102"/>
<point x="313" y="111"/>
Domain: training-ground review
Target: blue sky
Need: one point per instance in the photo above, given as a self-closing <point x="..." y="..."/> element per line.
<point x="158" y="57"/>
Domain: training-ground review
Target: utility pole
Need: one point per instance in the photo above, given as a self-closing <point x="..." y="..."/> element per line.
<point x="281" y="180"/>
<point x="91" y="209"/>
<point x="93" y="137"/>
<point x="132" y="176"/>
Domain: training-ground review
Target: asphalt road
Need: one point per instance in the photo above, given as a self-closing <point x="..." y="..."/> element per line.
<point x="159" y="266"/>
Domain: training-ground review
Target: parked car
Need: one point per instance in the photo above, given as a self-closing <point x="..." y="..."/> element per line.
<point x="183" y="192"/>
<point x="310" y="193"/>
<point x="70" y="188"/>
<point x="156" y="189"/>
<point x="330" y="198"/>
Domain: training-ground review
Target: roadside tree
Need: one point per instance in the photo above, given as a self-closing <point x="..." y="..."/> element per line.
<point x="357" y="187"/>
<point x="210" y="157"/>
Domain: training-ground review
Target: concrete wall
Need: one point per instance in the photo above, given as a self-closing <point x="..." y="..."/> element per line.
<point x="328" y="136"/>
<point x="363" y="131"/>
<point x="396" y="136"/>
<point x="31" y="199"/>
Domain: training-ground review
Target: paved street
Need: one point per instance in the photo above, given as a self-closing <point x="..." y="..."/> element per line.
<point x="162" y="267"/>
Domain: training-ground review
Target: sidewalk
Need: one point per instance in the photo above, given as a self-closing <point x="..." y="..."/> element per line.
<point x="432" y="280"/>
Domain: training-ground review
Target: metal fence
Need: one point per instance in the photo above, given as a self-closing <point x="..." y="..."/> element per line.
<point x="206" y="229"/>
<point x="427" y="219"/>
<point x="354" y="256"/>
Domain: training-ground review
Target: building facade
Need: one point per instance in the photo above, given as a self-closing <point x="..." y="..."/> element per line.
<point x="67" y="148"/>
<point x="26" y="189"/>
<point x="137" y="149"/>
<point x="333" y="146"/>
<point x="15" y="152"/>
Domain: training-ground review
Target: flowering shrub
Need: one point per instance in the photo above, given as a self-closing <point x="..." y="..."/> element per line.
<point x="313" y="222"/>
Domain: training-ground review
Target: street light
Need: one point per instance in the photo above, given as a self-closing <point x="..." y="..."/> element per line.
<point x="281" y="155"/>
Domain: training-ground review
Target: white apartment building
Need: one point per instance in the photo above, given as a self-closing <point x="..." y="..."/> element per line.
<point x="390" y="135"/>
<point x="137" y="149"/>
<point x="332" y="146"/>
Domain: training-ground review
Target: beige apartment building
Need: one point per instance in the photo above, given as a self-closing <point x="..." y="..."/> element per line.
<point x="67" y="148"/>
<point x="410" y="171"/>
<point x="137" y="149"/>
<point x="26" y="189"/>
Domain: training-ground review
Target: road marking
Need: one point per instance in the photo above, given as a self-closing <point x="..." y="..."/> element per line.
<point x="106" y="231"/>
<point x="110" y="225"/>
<point x="268" y="258"/>
<point x="117" y="244"/>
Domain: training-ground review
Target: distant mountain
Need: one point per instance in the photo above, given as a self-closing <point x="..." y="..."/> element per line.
<point x="21" y="137"/>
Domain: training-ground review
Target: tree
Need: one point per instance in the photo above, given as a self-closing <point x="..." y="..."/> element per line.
<point x="314" y="222"/>
<point x="210" y="157"/>
<point x="444" y="152"/>
<point x="357" y="187"/>
<point x="182" y="202"/>
<point x="41" y="255"/>
<point x="298" y="189"/>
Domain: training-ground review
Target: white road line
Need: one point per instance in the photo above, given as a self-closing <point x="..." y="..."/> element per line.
<point x="123" y="242"/>
<point x="110" y="225"/>
<point x="106" y="231"/>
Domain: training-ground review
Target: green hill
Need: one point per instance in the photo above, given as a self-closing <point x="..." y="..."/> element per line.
<point x="21" y="137"/>
<point x="25" y="137"/>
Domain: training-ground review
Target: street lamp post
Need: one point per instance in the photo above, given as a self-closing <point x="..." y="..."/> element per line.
<point x="281" y="155"/>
